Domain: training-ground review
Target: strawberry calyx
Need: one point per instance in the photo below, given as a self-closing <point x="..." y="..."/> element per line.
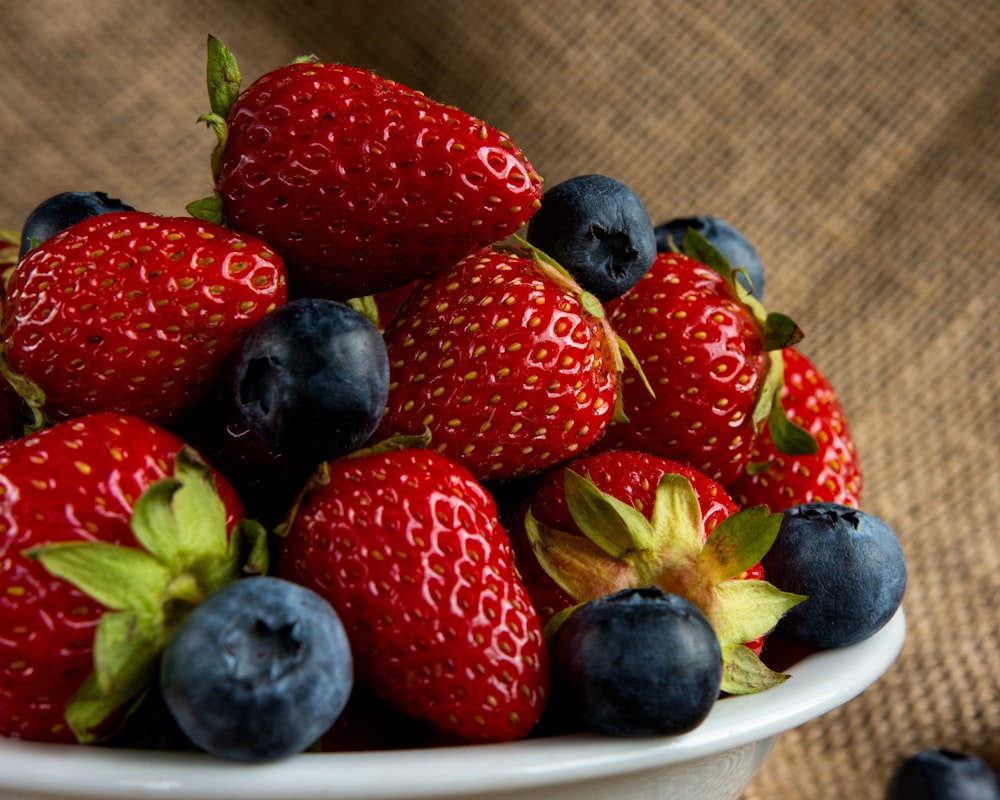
<point x="224" y="80"/>
<point x="778" y="331"/>
<point x="622" y="549"/>
<point x="185" y="554"/>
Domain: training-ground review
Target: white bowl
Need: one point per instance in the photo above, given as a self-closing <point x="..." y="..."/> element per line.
<point x="716" y="761"/>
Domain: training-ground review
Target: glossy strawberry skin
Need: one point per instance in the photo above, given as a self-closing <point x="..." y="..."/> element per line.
<point x="626" y="475"/>
<point x="133" y="313"/>
<point x="363" y="184"/>
<point x="503" y="365"/>
<point x="702" y="352"/>
<point x="833" y="474"/>
<point x="407" y="548"/>
<point x="77" y="480"/>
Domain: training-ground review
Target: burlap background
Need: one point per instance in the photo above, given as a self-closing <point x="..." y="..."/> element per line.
<point x="856" y="141"/>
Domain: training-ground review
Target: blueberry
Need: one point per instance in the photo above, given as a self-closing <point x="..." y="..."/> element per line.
<point x="850" y="566"/>
<point x="943" y="774"/>
<point x="312" y="379"/>
<point x="598" y="229"/>
<point x="258" y="671"/>
<point x="733" y="245"/>
<point x="62" y="210"/>
<point x="639" y="662"/>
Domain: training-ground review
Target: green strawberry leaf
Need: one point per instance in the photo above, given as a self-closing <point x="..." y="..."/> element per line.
<point x="121" y="578"/>
<point x="224" y="77"/>
<point x="738" y="543"/>
<point x="248" y="547"/>
<point x="748" y="609"/>
<point x="182" y="520"/>
<point x="781" y="331"/>
<point x="788" y="437"/>
<point x="577" y="565"/>
<point x="744" y="673"/>
<point x="758" y="467"/>
<point x="677" y="524"/>
<point x="770" y="390"/>
<point x="154" y="524"/>
<point x="198" y="509"/>
<point x="557" y="620"/>
<point x="700" y="249"/>
<point x="616" y="527"/>
<point x="127" y="646"/>
<point x="632" y="359"/>
<point x="208" y="209"/>
<point x="367" y="307"/>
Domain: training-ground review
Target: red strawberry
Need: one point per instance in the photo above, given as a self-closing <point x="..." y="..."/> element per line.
<point x="133" y="313"/>
<point x="703" y="345"/>
<point x="832" y="474"/>
<point x="407" y="548"/>
<point x="623" y="519"/>
<point x="362" y="184"/>
<point x="501" y="358"/>
<point x="67" y="495"/>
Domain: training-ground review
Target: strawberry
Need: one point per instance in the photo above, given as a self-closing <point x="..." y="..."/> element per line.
<point x="707" y="348"/>
<point x="505" y="361"/>
<point x="832" y="474"/>
<point x="407" y="547"/>
<point x="360" y="183"/>
<point x="623" y="519"/>
<point x="110" y="529"/>
<point x="133" y="313"/>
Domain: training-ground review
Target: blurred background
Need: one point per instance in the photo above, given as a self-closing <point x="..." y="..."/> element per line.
<point x="855" y="142"/>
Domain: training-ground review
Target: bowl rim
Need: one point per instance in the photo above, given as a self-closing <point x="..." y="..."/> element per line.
<point x="820" y="682"/>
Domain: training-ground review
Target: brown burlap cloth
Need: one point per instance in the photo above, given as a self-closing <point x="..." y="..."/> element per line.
<point x="856" y="142"/>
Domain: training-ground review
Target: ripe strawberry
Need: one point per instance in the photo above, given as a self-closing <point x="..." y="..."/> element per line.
<point x="501" y="358"/>
<point x="407" y="547"/>
<point x="832" y="474"/>
<point x="95" y="570"/>
<point x="360" y="183"/>
<point x="704" y="345"/>
<point x="133" y="313"/>
<point x="623" y="519"/>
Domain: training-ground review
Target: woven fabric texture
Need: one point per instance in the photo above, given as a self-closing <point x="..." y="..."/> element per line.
<point x="855" y="142"/>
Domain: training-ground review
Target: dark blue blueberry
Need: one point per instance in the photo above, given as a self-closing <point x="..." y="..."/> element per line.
<point x="639" y="662"/>
<point x="598" y="229"/>
<point x="312" y="379"/>
<point x="942" y="774"/>
<point x="62" y="210"/>
<point x="733" y="245"/>
<point x="850" y="566"/>
<point x="258" y="671"/>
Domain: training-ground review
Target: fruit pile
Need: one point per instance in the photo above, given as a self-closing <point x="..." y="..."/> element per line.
<point x="342" y="460"/>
